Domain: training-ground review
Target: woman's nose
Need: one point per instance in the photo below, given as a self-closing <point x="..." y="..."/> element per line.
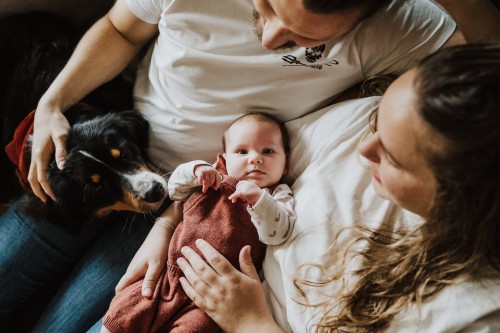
<point x="369" y="148"/>
<point x="274" y="34"/>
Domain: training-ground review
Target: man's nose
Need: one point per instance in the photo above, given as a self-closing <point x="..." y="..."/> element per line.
<point x="274" y="34"/>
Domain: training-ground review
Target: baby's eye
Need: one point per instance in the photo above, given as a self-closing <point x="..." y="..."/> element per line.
<point x="242" y="151"/>
<point x="267" y="151"/>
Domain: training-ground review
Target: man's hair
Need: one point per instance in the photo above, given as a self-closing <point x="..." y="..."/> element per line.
<point x="335" y="6"/>
<point x="264" y="117"/>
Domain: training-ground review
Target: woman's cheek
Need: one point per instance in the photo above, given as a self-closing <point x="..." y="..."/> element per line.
<point x="393" y="184"/>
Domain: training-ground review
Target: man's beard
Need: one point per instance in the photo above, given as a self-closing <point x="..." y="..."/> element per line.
<point x="258" y="30"/>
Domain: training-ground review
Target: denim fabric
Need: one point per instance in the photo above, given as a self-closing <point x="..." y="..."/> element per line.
<point x="96" y="328"/>
<point x="34" y="253"/>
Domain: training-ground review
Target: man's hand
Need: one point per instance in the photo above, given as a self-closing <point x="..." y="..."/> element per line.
<point x="50" y="133"/>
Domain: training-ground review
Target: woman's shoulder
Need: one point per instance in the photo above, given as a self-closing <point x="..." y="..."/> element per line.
<point x="467" y="303"/>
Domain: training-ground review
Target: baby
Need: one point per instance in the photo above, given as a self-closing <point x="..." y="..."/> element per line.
<point x="241" y="202"/>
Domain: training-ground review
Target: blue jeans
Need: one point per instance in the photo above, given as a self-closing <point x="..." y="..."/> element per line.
<point x="34" y="253"/>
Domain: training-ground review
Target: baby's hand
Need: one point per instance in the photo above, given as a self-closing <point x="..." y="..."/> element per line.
<point x="246" y="191"/>
<point x="207" y="177"/>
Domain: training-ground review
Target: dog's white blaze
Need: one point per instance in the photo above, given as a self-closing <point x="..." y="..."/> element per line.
<point x="143" y="182"/>
<point x="140" y="182"/>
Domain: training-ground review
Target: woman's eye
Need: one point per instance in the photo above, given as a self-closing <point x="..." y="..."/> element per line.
<point x="391" y="162"/>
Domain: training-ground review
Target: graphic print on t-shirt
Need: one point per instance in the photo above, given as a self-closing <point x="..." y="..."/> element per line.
<point x="312" y="55"/>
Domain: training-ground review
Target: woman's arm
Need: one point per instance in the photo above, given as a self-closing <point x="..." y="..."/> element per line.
<point x="234" y="300"/>
<point x="151" y="256"/>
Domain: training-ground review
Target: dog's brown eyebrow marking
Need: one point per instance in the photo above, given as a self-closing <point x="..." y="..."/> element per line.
<point x="115" y="153"/>
<point x="96" y="178"/>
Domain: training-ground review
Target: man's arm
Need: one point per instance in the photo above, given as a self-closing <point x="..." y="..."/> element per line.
<point x="104" y="51"/>
<point x="478" y="20"/>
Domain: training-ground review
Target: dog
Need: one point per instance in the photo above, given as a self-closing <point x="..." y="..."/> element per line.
<point x="106" y="168"/>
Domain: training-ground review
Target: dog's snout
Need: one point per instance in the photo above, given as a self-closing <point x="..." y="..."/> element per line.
<point x="155" y="193"/>
<point x="148" y="187"/>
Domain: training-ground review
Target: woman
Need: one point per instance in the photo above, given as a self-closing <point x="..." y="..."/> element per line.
<point x="434" y="152"/>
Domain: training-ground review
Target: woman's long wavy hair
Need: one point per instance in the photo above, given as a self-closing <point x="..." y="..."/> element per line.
<point x="458" y="96"/>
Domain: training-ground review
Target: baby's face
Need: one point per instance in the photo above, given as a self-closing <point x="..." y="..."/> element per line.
<point x="254" y="152"/>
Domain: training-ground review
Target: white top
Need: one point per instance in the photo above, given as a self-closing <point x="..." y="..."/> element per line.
<point x="332" y="189"/>
<point x="272" y="215"/>
<point x="208" y="68"/>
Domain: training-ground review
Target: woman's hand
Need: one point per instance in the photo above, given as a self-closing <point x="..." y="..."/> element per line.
<point x="234" y="300"/>
<point x="150" y="259"/>
<point x="49" y="137"/>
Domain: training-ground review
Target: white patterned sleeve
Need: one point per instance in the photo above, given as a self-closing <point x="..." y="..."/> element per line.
<point x="182" y="183"/>
<point x="273" y="215"/>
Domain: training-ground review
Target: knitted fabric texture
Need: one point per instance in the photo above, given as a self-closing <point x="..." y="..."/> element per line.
<point x="210" y="216"/>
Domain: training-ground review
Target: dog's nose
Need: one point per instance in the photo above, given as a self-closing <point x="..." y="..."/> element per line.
<point x="155" y="193"/>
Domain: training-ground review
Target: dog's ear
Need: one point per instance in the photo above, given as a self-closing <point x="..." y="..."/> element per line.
<point x="137" y="126"/>
<point x="67" y="211"/>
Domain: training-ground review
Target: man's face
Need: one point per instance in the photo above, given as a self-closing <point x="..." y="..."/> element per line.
<point x="282" y="24"/>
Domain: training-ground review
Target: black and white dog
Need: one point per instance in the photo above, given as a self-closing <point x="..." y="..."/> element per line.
<point x="106" y="167"/>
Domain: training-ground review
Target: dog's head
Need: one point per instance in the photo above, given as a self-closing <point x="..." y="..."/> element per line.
<point x="105" y="171"/>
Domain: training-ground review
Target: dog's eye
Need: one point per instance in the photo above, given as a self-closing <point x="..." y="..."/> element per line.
<point x="116" y="153"/>
<point x="95" y="178"/>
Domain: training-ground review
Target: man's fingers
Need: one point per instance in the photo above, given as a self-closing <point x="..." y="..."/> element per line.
<point x="35" y="185"/>
<point x="61" y="155"/>
<point x="42" y="179"/>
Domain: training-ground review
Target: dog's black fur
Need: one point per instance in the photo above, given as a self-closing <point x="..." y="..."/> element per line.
<point x="105" y="169"/>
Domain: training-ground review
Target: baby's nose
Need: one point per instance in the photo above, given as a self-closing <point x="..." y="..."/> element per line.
<point x="255" y="158"/>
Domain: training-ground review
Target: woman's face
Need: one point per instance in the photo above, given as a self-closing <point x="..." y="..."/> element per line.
<point x="395" y="152"/>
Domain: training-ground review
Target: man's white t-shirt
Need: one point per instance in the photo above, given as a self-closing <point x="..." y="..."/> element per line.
<point x="207" y="67"/>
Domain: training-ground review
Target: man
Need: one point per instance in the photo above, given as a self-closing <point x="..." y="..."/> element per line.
<point x="205" y="67"/>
